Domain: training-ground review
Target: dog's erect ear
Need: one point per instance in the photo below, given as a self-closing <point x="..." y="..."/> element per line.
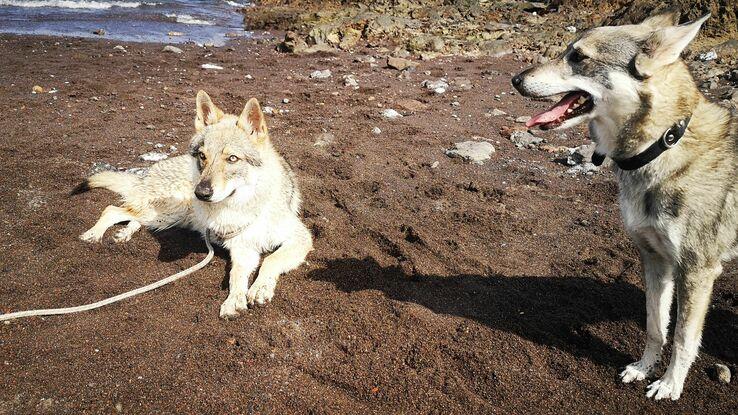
<point x="207" y="112"/>
<point x="662" y="20"/>
<point x="252" y="119"/>
<point x="665" y="45"/>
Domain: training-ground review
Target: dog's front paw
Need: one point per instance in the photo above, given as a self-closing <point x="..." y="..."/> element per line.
<point x="90" y="236"/>
<point x="261" y="292"/>
<point x="637" y="371"/>
<point x="233" y="306"/>
<point x="666" y="387"/>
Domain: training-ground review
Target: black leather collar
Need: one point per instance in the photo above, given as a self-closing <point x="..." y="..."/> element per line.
<point x="668" y="139"/>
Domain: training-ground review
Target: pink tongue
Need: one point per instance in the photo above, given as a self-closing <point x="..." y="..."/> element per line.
<point x="556" y="111"/>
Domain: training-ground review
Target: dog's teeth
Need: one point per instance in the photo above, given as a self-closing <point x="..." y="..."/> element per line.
<point x="581" y="100"/>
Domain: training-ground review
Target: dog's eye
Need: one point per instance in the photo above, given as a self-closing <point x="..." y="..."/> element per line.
<point x="576" y="56"/>
<point x="201" y="156"/>
<point x="233" y="159"/>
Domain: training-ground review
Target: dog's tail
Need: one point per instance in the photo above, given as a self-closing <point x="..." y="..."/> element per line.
<point x="117" y="181"/>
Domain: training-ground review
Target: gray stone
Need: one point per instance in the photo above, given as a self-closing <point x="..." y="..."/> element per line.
<point x="400" y="63"/>
<point x="325" y="73"/>
<point x="723" y="373"/>
<point x="496" y="112"/>
<point x="524" y="139"/>
<point x="153" y="156"/>
<point x="474" y="151"/>
<point x="350" y="81"/>
<point x="376" y="131"/>
<point x="523" y="119"/>
<point x="391" y="114"/>
<point x="172" y="49"/>
<point x="324" y="140"/>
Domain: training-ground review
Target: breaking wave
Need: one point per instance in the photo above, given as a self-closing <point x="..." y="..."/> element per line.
<point x="70" y="4"/>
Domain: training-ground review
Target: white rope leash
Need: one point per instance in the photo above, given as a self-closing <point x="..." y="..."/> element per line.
<point x="119" y="297"/>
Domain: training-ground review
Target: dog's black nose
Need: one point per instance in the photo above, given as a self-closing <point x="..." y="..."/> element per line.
<point x="517" y="80"/>
<point x="204" y="190"/>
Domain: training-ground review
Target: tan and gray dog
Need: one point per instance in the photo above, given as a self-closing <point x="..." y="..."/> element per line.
<point x="234" y="185"/>
<point x="675" y="155"/>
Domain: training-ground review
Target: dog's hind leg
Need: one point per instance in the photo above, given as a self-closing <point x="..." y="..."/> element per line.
<point x="289" y="256"/>
<point x="110" y="216"/>
<point x="657" y="275"/>
<point x="125" y="234"/>
<point x="694" y="289"/>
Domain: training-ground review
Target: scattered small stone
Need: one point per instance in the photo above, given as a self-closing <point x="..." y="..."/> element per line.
<point x="210" y="66"/>
<point x="249" y="77"/>
<point x="723" y="373"/>
<point x="153" y="156"/>
<point x="325" y="73"/>
<point x="268" y="110"/>
<point x="324" y="139"/>
<point x="708" y="56"/>
<point x="524" y="139"/>
<point x="99" y="166"/>
<point x="376" y="131"/>
<point x="496" y="112"/>
<point x="435" y="165"/>
<point x="172" y="49"/>
<point x="439" y="87"/>
<point x="571" y="29"/>
<point x="391" y="114"/>
<point x="150" y="127"/>
<point x="523" y="119"/>
<point x="365" y="59"/>
<point x="37" y="89"/>
<point x="286" y="101"/>
<point x="120" y="48"/>
<point x="99" y="32"/>
<point x="119" y="407"/>
<point x="474" y="151"/>
<point x="350" y="81"/>
<point x="584" y="168"/>
<point x="412" y="105"/>
<point x="400" y="63"/>
<point x="455" y="104"/>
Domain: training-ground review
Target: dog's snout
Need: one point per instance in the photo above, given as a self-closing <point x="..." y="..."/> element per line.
<point x="204" y="190"/>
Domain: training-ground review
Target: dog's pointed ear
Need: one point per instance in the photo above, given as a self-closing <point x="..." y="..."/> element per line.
<point x="659" y="21"/>
<point x="665" y="45"/>
<point x="207" y="112"/>
<point x="252" y="120"/>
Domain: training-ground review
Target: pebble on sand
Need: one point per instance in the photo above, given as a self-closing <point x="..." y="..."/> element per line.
<point x="723" y="373"/>
<point x="172" y="49"/>
<point x="474" y="151"/>
<point x="210" y="66"/>
<point x="391" y="114"/>
<point x="325" y="73"/>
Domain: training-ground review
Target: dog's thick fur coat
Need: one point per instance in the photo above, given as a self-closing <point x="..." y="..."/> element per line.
<point x="681" y="210"/>
<point x="234" y="185"/>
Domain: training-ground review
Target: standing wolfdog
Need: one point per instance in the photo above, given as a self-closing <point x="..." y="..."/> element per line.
<point x="234" y="185"/>
<point x="675" y="155"/>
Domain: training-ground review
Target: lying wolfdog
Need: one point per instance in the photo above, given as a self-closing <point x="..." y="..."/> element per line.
<point x="234" y="185"/>
<point x="675" y="155"/>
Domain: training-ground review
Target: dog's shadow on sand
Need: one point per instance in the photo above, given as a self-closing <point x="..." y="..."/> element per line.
<point x="177" y="243"/>
<point x="556" y="312"/>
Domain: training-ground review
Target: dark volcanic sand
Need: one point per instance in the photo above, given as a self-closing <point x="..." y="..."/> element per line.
<point x="504" y="288"/>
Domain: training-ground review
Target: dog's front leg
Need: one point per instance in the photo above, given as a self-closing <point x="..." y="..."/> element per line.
<point x="657" y="275"/>
<point x="244" y="262"/>
<point x="694" y="288"/>
<point x="289" y="256"/>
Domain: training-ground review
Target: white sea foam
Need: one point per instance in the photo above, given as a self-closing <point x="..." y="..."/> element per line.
<point x="235" y="4"/>
<point x="70" y="4"/>
<point x="187" y="19"/>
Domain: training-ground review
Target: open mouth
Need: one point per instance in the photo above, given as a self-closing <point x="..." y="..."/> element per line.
<point x="572" y="105"/>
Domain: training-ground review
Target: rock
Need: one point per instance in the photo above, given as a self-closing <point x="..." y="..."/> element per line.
<point x="172" y="49"/>
<point x="325" y="139"/>
<point x="474" y="151"/>
<point x="268" y="110"/>
<point x="285" y="100"/>
<point x="376" y="131"/>
<point x="391" y="114"/>
<point x="463" y="84"/>
<point x="120" y="48"/>
<point x="723" y="373"/>
<point x="172" y="34"/>
<point x="708" y="56"/>
<point x="571" y="29"/>
<point x="99" y="32"/>
<point x="365" y="59"/>
<point x="400" y="63"/>
<point x="523" y="119"/>
<point x="37" y="89"/>
<point x="585" y="168"/>
<point x="101" y="166"/>
<point x="350" y="81"/>
<point x="153" y="156"/>
<point x="325" y="73"/>
<point x="728" y="49"/>
<point x="439" y="87"/>
<point x="210" y="66"/>
<point x="292" y="43"/>
<point x="437" y="44"/>
<point x="524" y="139"/>
<point x="349" y="38"/>
<point x="495" y="48"/>
<point x="496" y="112"/>
<point x="150" y="127"/>
<point x="412" y="105"/>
